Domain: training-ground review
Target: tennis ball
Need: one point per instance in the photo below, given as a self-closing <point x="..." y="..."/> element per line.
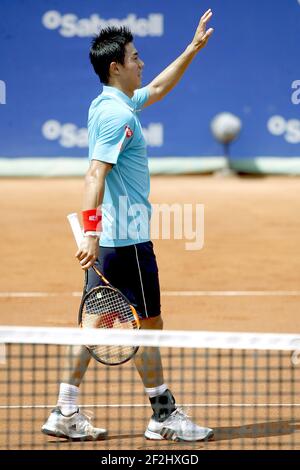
<point x="226" y="127"/>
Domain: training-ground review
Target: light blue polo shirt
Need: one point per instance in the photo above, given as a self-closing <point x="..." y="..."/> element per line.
<point x="116" y="137"/>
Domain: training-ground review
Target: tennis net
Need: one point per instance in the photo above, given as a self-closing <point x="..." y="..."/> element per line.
<point x="245" y="386"/>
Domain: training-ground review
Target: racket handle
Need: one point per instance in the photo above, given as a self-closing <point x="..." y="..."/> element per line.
<point x="76" y="228"/>
<point x="77" y="232"/>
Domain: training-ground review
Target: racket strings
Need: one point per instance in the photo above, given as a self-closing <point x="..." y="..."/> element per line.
<point x="106" y="308"/>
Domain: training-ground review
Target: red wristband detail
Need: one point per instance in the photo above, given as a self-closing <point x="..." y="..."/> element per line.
<point x="91" y="220"/>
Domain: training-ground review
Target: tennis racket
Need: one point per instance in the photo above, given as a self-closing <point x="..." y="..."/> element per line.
<point x="106" y="307"/>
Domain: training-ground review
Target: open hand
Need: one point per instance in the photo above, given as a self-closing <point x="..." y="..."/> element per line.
<point x="201" y="35"/>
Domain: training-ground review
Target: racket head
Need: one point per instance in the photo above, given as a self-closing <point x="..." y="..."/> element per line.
<point x="106" y="307"/>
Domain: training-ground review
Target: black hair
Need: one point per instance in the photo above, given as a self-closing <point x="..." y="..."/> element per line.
<point x="107" y="47"/>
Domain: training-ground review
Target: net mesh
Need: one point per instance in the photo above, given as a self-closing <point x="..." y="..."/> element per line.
<point x="245" y="387"/>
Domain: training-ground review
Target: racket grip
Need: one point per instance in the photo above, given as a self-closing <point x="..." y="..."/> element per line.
<point x="76" y="228"/>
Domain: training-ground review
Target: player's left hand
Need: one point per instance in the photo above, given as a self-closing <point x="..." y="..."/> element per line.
<point x="201" y="35"/>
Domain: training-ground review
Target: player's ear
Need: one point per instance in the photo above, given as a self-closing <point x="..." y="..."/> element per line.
<point x="114" y="69"/>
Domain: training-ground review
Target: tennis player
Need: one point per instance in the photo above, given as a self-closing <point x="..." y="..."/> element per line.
<point x="118" y="183"/>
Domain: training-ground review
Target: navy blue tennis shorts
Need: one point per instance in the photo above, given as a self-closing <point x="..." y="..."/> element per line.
<point x="133" y="270"/>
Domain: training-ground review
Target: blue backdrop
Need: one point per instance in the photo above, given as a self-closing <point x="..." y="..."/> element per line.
<point x="250" y="68"/>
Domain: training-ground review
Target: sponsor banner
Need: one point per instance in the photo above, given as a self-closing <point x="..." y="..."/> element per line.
<point x="250" y="68"/>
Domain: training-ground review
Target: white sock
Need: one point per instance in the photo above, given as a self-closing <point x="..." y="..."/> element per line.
<point x="67" y="398"/>
<point x="155" y="391"/>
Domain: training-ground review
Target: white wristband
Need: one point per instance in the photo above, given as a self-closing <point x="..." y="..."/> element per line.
<point x="92" y="234"/>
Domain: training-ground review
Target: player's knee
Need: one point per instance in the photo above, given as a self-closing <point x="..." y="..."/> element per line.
<point x="159" y="323"/>
<point x="154" y="323"/>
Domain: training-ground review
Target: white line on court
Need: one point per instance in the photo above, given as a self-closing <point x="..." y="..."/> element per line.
<point x="197" y="293"/>
<point x="31" y="294"/>
<point x="187" y="405"/>
<point x="232" y="293"/>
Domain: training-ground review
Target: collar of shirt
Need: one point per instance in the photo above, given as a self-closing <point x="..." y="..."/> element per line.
<point x="118" y="95"/>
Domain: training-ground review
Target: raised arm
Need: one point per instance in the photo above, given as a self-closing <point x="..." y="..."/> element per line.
<point x="169" y="77"/>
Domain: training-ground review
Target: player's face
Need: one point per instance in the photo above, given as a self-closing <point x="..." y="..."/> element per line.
<point x="131" y="71"/>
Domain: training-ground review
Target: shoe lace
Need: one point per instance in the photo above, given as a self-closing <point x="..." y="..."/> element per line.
<point x="183" y="415"/>
<point x="84" y="421"/>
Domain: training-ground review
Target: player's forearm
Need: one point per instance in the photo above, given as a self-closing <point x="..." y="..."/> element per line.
<point x="93" y="192"/>
<point x="94" y="185"/>
<point x="170" y="76"/>
<point x="166" y="80"/>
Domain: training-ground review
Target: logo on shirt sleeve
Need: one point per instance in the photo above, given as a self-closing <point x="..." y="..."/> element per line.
<point x="128" y="132"/>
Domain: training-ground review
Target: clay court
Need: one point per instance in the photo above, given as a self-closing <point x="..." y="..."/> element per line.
<point x="246" y="278"/>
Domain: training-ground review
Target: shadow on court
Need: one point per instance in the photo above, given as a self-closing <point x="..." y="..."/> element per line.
<point x="118" y="437"/>
<point x="248" y="431"/>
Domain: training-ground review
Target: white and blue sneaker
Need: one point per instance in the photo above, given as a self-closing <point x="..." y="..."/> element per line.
<point x="76" y="426"/>
<point x="177" y="427"/>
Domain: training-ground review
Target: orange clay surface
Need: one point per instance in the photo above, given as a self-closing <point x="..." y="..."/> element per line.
<point x="252" y="234"/>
